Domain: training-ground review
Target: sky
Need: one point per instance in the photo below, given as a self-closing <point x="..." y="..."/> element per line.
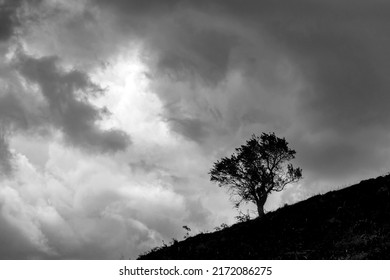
<point x="113" y="112"/>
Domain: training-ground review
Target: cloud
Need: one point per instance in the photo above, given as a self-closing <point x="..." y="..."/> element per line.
<point x="180" y="45"/>
<point x="72" y="30"/>
<point x="21" y="236"/>
<point x="8" y="18"/>
<point x="69" y="109"/>
<point x="226" y="69"/>
<point x="5" y="154"/>
<point x="79" y="208"/>
<point x="69" y="204"/>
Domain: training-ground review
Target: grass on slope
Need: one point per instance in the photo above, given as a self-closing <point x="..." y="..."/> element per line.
<point x="352" y="223"/>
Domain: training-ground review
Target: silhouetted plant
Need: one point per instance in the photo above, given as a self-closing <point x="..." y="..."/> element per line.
<point x="188" y="229"/>
<point x="242" y="217"/>
<point x="256" y="169"/>
<point x="217" y="228"/>
<point x="221" y="227"/>
<point x="224" y="225"/>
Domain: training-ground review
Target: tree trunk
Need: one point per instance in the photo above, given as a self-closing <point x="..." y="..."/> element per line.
<point x="260" y="205"/>
<point x="260" y="210"/>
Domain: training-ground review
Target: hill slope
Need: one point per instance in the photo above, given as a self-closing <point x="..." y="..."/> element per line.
<point x="352" y="223"/>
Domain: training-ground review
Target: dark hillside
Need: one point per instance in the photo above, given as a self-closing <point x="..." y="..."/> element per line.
<point x="352" y="223"/>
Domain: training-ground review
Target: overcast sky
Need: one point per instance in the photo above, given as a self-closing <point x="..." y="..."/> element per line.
<point x="113" y="112"/>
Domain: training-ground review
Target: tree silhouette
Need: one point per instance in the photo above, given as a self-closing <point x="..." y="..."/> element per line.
<point x="256" y="169"/>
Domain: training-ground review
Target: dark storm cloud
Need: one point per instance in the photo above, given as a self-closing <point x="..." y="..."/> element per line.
<point x="183" y="48"/>
<point x="5" y="154"/>
<point x="191" y="128"/>
<point x="8" y="18"/>
<point x="8" y="23"/>
<point x="69" y="110"/>
<point x="18" y="112"/>
<point x="15" y="113"/>
<point x="325" y="62"/>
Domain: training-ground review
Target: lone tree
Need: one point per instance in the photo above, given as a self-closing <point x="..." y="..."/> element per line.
<point x="256" y="169"/>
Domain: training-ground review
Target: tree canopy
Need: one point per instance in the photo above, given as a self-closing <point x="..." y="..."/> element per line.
<point x="256" y="169"/>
